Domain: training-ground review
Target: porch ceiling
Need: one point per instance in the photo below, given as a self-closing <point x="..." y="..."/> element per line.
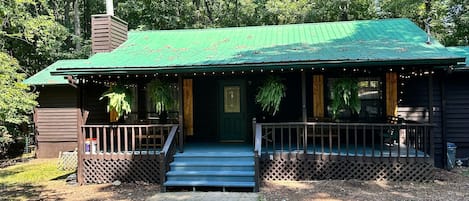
<point x="333" y="44"/>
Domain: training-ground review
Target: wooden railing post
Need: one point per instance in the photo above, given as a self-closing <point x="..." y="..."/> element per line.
<point x="162" y="159"/>
<point x="257" y="132"/>
<point x="254" y="121"/>
<point x="256" y="171"/>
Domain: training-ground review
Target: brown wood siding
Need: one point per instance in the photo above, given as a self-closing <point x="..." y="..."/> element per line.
<point x="107" y="33"/>
<point x="188" y="107"/>
<point x="318" y="96"/>
<point x="56" y="124"/>
<point x="52" y="149"/>
<point x="60" y="96"/>
<point x="391" y="94"/>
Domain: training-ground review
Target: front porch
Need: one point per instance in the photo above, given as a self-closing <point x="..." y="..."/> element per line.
<point x="281" y="151"/>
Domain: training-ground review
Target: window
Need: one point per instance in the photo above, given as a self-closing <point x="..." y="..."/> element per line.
<point x="370" y="93"/>
<point x="172" y="113"/>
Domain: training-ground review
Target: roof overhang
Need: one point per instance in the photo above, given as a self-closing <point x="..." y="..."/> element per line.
<point x="424" y="62"/>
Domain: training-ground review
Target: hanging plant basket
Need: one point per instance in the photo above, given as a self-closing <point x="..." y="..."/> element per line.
<point x="119" y="101"/>
<point x="160" y="95"/>
<point x="345" y="96"/>
<point x="270" y="95"/>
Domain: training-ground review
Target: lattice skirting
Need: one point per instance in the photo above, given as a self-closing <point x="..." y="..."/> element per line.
<point x="297" y="168"/>
<point x="106" y="171"/>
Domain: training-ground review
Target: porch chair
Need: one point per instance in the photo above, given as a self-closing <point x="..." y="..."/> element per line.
<point x="391" y="133"/>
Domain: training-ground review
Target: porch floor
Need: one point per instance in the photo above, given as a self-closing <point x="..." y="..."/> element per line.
<point x="216" y="148"/>
<point x="359" y="150"/>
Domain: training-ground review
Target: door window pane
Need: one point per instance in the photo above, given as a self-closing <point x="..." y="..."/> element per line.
<point x="231" y="99"/>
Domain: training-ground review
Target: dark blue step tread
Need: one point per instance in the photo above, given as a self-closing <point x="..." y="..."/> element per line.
<point x="215" y="154"/>
<point x="210" y="183"/>
<point x="213" y="163"/>
<point x="211" y="173"/>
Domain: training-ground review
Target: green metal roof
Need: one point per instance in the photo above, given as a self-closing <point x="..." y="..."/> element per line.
<point x="44" y="77"/>
<point x="461" y="51"/>
<point x="350" y="43"/>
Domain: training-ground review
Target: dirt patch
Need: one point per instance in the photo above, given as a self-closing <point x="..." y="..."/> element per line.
<point x="447" y="186"/>
<point x="59" y="190"/>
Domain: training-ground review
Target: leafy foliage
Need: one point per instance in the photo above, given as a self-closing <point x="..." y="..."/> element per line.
<point x="345" y="96"/>
<point x="160" y="95"/>
<point x="16" y="102"/>
<point x="30" y="33"/>
<point x="270" y="95"/>
<point x="119" y="99"/>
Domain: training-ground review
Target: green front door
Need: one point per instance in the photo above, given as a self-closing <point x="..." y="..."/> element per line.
<point x="232" y="121"/>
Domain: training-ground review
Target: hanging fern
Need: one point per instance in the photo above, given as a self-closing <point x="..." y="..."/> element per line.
<point x="119" y="99"/>
<point x="345" y="96"/>
<point x="160" y="95"/>
<point x="270" y="95"/>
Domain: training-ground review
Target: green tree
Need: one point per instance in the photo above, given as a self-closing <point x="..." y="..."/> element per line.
<point x="30" y="33"/>
<point x="16" y="102"/>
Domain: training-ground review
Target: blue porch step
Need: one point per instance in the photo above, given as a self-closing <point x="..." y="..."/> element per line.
<point x="226" y="176"/>
<point x="212" y="169"/>
<point x="210" y="183"/>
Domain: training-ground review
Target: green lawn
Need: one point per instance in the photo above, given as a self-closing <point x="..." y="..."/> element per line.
<point x="23" y="181"/>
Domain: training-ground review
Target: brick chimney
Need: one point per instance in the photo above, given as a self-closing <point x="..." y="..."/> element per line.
<point x="107" y="31"/>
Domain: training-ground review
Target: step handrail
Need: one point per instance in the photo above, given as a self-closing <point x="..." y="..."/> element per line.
<point x="169" y="141"/>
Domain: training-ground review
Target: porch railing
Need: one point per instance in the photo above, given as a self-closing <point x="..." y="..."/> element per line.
<point x="346" y="140"/>
<point x="126" y="141"/>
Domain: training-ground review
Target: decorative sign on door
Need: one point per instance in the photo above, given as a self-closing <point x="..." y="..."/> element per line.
<point x="232" y="99"/>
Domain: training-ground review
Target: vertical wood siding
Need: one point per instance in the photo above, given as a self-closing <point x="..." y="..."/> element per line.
<point x="457" y="112"/>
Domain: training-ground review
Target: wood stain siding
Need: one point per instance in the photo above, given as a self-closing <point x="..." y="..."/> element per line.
<point x="107" y="33"/>
<point x="457" y="112"/>
<point x="56" y="120"/>
<point x="56" y="124"/>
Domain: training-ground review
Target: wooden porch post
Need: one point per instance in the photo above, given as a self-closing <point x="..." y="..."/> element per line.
<point x="430" y="117"/>
<point x="181" y="113"/>
<point x="304" y="112"/>
<point x="430" y="99"/>
<point x="303" y="97"/>
<point x="80" y="136"/>
<point x="443" y="121"/>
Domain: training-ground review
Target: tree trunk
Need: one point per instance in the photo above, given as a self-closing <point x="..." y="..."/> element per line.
<point x="67" y="14"/>
<point x="76" y="19"/>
